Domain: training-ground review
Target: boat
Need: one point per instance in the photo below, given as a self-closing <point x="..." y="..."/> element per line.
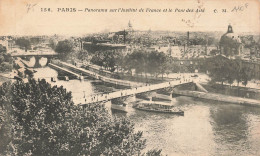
<point x="119" y="107"/>
<point x="53" y="79"/>
<point x="118" y="104"/>
<point x="155" y="106"/>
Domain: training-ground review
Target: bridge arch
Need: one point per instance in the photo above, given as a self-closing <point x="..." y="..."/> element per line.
<point x="35" y="61"/>
<point x="41" y="61"/>
<point x="41" y="58"/>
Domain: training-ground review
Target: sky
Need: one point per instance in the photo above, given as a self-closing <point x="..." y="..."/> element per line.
<point x="26" y="17"/>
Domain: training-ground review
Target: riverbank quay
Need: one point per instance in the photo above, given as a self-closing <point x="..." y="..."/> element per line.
<point x="218" y="97"/>
<point x="236" y="91"/>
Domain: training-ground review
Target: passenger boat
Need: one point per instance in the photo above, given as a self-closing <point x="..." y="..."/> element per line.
<point x="118" y="104"/>
<point x="119" y="107"/>
<point x="155" y="106"/>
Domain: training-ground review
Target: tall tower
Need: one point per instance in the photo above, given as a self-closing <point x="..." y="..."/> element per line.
<point x="129" y="26"/>
<point x="188" y="38"/>
<point x="230" y="29"/>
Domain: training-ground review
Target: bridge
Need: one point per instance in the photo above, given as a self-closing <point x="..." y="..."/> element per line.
<point x="84" y="72"/>
<point x="37" y="55"/>
<point x="127" y="92"/>
<point x="78" y="76"/>
<point x="136" y="87"/>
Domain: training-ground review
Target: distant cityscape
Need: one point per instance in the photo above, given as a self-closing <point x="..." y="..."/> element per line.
<point x="187" y="48"/>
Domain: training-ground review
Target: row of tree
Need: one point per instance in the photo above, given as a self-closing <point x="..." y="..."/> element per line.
<point x="23" y="43"/>
<point x="140" y="61"/>
<point x="108" y="59"/>
<point x="65" y="49"/>
<point x="222" y="69"/>
<point x="40" y="119"/>
<point x="153" y="62"/>
<point x="5" y="60"/>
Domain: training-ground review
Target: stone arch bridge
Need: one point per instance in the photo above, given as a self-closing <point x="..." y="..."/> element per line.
<point x="36" y="55"/>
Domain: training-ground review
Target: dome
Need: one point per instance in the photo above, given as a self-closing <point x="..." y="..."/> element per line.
<point x="230" y="35"/>
<point x="233" y="36"/>
<point x="230" y="43"/>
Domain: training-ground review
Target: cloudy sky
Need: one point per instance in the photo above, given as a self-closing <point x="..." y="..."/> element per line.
<point x="26" y="17"/>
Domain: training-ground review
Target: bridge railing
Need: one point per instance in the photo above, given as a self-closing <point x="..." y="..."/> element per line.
<point x="98" y="76"/>
<point x="127" y="92"/>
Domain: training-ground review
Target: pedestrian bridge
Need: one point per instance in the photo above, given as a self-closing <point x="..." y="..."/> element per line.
<point x="127" y="92"/>
<point x="78" y="76"/>
<point x="84" y="72"/>
<point x="136" y="87"/>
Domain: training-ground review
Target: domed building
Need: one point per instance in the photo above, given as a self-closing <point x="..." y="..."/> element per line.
<point x="230" y="43"/>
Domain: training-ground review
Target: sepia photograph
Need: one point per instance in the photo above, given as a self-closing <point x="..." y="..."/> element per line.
<point x="129" y="78"/>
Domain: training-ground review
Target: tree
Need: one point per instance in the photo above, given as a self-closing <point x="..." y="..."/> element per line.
<point x="158" y="63"/>
<point x="108" y="59"/>
<point x="245" y="79"/>
<point x="162" y="61"/>
<point x="232" y="70"/>
<point x="42" y="120"/>
<point x="219" y="68"/>
<point x="240" y="73"/>
<point x="2" y="49"/>
<point x="23" y="43"/>
<point x="5" y="66"/>
<point x="153" y="63"/>
<point x="127" y="65"/>
<point x="8" y="58"/>
<point x="137" y="61"/>
<point x="153" y="152"/>
<point x="98" y="59"/>
<point x="64" y="48"/>
<point x="223" y="70"/>
<point x="214" y="52"/>
<point x="82" y="55"/>
<point x="53" y="43"/>
<point x="2" y="59"/>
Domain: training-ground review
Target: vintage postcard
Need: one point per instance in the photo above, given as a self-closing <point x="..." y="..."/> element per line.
<point x="129" y="77"/>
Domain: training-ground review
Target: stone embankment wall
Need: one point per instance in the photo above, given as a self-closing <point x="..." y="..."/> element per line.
<point x="218" y="97"/>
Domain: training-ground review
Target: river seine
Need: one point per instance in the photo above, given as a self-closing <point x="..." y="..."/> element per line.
<point x="207" y="128"/>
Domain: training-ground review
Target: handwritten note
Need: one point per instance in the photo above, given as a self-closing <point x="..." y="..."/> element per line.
<point x="30" y="7"/>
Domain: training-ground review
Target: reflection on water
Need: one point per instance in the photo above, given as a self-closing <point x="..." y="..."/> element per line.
<point x="232" y="127"/>
<point x="207" y="128"/>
